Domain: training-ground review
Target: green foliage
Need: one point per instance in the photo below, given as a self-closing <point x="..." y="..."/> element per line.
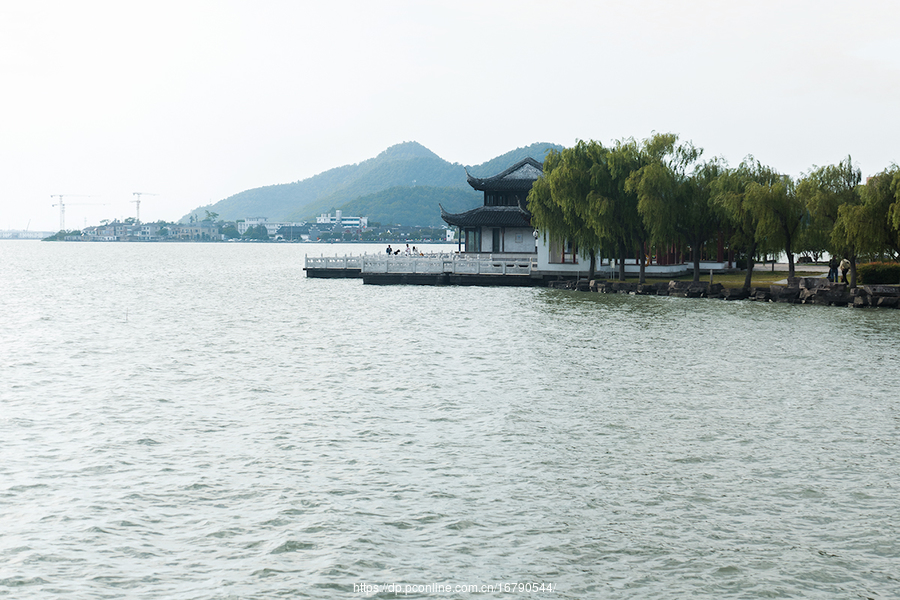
<point x="62" y="234"/>
<point x="257" y="232"/>
<point x="823" y="191"/>
<point x="728" y="195"/>
<point x="582" y="197"/>
<point x="673" y="190"/>
<point x="879" y="273"/>
<point x="780" y="213"/>
<point x="616" y="217"/>
<point x="230" y="232"/>
<point x="894" y="210"/>
<point x="560" y="200"/>
<point x="865" y="228"/>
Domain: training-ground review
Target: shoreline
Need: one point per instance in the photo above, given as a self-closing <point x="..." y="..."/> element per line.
<point x="800" y="290"/>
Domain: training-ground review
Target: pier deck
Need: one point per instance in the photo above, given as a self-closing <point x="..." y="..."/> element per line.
<point x="430" y="269"/>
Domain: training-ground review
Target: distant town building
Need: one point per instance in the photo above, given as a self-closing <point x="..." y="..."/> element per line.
<point x="149" y="231"/>
<point x="200" y="230"/>
<point x="272" y="227"/>
<point x="338" y="219"/>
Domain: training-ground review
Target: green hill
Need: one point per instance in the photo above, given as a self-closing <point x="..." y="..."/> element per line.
<point x="496" y="165"/>
<point x="408" y="166"/>
<point x="415" y="206"/>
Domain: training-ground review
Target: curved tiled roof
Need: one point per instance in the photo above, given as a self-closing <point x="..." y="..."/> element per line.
<point x="489" y="216"/>
<point x="520" y="176"/>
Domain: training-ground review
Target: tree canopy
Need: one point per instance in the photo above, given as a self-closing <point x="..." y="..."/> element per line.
<point x="633" y="196"/>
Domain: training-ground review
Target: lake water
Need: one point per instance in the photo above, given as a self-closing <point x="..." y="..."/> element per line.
<point x="201" y="421"/>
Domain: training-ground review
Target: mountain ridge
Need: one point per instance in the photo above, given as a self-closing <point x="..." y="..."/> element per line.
<point x="407" y="165"/>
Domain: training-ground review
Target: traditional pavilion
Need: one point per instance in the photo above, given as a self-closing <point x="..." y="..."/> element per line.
<point x="503" y="224"/>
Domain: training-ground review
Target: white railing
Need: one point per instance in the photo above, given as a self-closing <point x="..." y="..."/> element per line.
<point x="333" y="262"/>
<point x="463" y="264"/>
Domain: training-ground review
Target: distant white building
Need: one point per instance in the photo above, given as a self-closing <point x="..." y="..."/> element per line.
<point x="272" y="227"/>
<point x="339" y="219"/>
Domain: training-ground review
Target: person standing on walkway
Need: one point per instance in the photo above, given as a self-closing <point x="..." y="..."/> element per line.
<point x="845" y="266"/>
<point x="833" y="269"/>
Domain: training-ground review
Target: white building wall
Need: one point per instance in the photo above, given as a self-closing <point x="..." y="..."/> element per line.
<point x="543" y="260"/>
<point x="487" y="241"/>
<point x="243" y="226"/>
<point x="518" y="240"/>
<point x="346" y="222"/>
<point x="514" y="239"/>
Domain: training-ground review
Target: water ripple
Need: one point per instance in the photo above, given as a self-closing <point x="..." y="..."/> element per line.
<point x="293" y="437"/>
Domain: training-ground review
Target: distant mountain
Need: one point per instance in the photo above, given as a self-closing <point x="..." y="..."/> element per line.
<point x="496" y="165"/>
<point x="395" y="185"/>
<point x="418" y="206"/>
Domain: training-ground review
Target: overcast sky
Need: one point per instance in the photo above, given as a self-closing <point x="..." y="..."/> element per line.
<point x="197" y="100"/>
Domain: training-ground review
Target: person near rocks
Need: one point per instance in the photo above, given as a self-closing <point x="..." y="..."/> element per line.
<point x="833" y="269"/>
<point x="389" y="250"/>
<point x="845" y="266"/>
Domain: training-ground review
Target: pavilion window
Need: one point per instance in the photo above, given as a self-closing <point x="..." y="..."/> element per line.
<point x="473" y="240"/>
<point x="563" y="251"/>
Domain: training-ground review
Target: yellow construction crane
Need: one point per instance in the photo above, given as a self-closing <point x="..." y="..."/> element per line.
<point x="137" y="203"/>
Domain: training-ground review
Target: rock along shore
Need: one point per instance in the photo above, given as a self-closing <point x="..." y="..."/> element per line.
<point x="799" y="290"/>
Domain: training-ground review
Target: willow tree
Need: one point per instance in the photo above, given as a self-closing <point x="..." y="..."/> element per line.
<point x="823" y="191"/>
<point x="729" y="196"/>
<point x="780" y="212"/>
<point x="673" y="191"/>
<point x="559" y="201"/>
<point x="614" y="216"/>
<point x="867" y="227"/>
<point x="892" y="172"/>
<point x="894" y="211"/>
<point x="547" y="215"/>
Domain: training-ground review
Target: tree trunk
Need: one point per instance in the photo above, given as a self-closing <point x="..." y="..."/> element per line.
<point x="751" y="261"/>
<point x="642" y="278"/>
<point x="695" y="256"/>
<point x="788" y="251"/>
<point x="622" y="262"/>
<point x="852" y="271"/>
<point x="593" y="268"/>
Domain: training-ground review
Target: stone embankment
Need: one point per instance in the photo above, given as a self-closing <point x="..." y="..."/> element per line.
<point x="800" y="290"/>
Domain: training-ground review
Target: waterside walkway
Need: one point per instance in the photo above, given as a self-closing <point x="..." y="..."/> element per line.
<point x="472" y="269"/>
<point x="429" y="269"/>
